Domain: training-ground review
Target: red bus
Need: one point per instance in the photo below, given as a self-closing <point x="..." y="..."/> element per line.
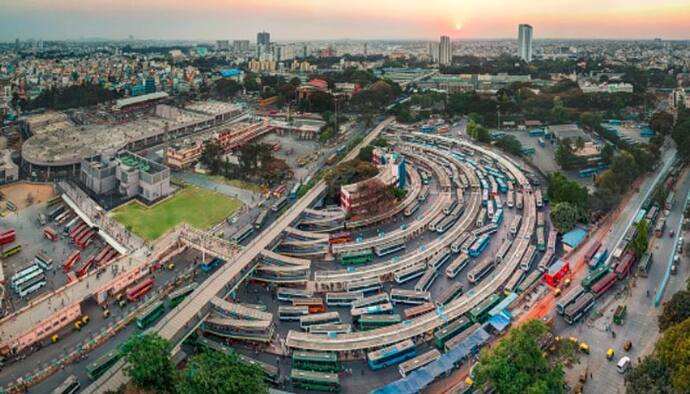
<point x="111" y="255"/>
<point x="418" y="310"/>
<point x="85" y="239"/>
<point x="623" y="267"/>
<point x="76" y="229"/>
<point x="592" y="251"/>
<point x="102" y="253"/>
<point x="84" y="269"/>
<point x="280" y="189"/>
<point x="71" y="259"/>
<point x="136" y="292"/>
<point x="600" y="288"/>
<point x="8" y="237"/>
<point x="340" y="238"/>
<point x="50" y="234"/>
<point x="80" y="234"/>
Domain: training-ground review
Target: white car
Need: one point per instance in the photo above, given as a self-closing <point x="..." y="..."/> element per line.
<point x="623" y="364"/>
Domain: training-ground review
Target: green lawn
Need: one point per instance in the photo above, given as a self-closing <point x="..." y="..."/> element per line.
<point x="198" y="207"/>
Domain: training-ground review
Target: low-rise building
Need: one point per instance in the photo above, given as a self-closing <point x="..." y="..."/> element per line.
<point x="126" y="174"/>
<point x="9" y="172"/>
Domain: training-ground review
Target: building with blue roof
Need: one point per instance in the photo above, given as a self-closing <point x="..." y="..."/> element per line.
<point x="573" y="238"/>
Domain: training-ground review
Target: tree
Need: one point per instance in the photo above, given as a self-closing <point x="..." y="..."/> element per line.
<point x="211" y="157"/>
<point x="661" y="122"/>
<point x="562" y="189"/>
<point x="591" y="119"/>
<point x="366" y="153"/>
<point x="518" y="365"/>
<point x="675" y="310"/>
<point x="148" y="362"/>
<point x="344" y="174"/>
<point x="640" y="243"/>
<point x="607" y="153"/>
<point x="327" y="133"/>
<point x="673" y="349"/>
<point x="558" y="113"/>
<point x="564" y="216"/>
<point x="225" y="88"/>
<point x="510" y="144"/>
<point x="220" y="373"/>
<point x="651" y="376"/>
<point x="681" y="136"/>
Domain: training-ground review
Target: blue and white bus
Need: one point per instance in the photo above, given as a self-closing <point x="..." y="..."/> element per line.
<point x="439" y="259"/>
<point x="498" y="217"/>
<point x="392" y="355"/>
<point x="211" y="264"/>
<point x="479" y="245"/>
<point x="402" y="296"/>
<point x="287" y="294"/>
<point x="409" y="273"/>
<point x="295" y="191"/>
<point x="389" y="248"/>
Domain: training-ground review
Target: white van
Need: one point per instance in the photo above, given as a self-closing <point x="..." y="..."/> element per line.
<point x="623" y="364"/>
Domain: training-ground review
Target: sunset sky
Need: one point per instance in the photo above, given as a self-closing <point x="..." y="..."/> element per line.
<point x="332" y="19"/>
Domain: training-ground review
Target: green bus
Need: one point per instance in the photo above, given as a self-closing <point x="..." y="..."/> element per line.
<point x="178" y="295"/>
<point x="529" y="281"/>
<point x="478" y="313"/>
<point x="310" y="380"/>
<point x="594" y="277"/>
<point x="358" y="257"/>
<point x="150" y="314"/>
<point x="53" y="201"/>
<point x="370" y="322"/>
<point x="448" y="331"/>
<point x="315" y="361"/>
<point x="98" y="367"/>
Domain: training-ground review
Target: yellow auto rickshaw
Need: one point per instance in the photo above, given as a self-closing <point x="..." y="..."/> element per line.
<point x="557" y="292"/>
<point x="610" y="353"/>
<point x="55" y="338"/>
<point x="566" y="283"/>
<point x="584" y="347"/>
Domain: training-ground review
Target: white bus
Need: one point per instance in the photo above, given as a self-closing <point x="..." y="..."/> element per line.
<point x="401" y="296"/>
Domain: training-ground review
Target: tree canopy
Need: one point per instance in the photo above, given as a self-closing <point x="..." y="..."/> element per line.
<point x="346" y="173"/>
<point x="675" y="310"/>
<point x="651" y="376"/>
<point x="517" y="364"/>
<point x="640" y="243"/>
<point x="562" y="189"/>
<point x="674" y="349"/>
<point x="148" y="362"/>
<point x="220" y="373"/>
<point x="564" y="216"/>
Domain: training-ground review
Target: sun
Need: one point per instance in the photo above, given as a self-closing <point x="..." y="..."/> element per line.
<point x="458" y="26"/>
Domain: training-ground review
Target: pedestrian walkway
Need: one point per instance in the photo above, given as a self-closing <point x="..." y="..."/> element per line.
<point x="248" y="197"/>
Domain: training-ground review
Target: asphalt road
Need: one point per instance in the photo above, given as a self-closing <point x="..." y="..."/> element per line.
<point x="637" y="293"/>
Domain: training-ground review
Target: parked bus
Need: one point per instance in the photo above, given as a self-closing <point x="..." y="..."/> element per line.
<point x="601" y="287"/>
<point x="8" y="237"/>
<point x="594" y="276"/>
<point x="480" y="312"/>
<point x="312" y="380"/>
<point x="528" y="258"/>
<point x="530" y="280"/>
<point x="378" y="309"/>
<point x="292" y="313"/>
<point x="150" y="314"/>
<point x="139" y="290"/>
<point x="69" y="386"/>
<point x="54" y="212"/>
<point x="343" y="298"/>
<point x="315" y="361"/>
<point x="513" y="282"/>
<point x="437" y="261"/>
<point x="12" y="250"/>
<point x="659" y="228"/>
<point x="625" y="265"/>
<point x="53" y="201"/>
<point x="568" y="299"/>
<point x="450" y="293"/>
<point x="480" y="270"/>
<point x="391" y="355"/>
<point x="411" y="313"/>
<point x="409" y="273"/>
<point x="330" y="329"/>
<point x="479" y="245"/>
<point x="374" y="321"/>
<point x="259" y="222"/>
<point x="423" y="359"/>
<point x="645" y="264"/>
<point x="515" y="225"/>
<point x="424" y="283"/>
<point x="457" y="265"/>
<point x="389" y="248"/>
<point x="670" y="200"/>
<point x="319" y="318"/>
<point x="101" y="364"/>
<point x="411" y="297"/>
<point x="288" y="294"/>
<point x="445" y="333"/>
<point x="376" y="299"/>
<point x="340" y="238"/>
<point x="67" y="227"/>
<point x="457" y="244"/>
<point x="50" y="234"/>
<point x="315" y="305"/>
<point x="243" y="233"/>
<point x="45" y="262"/>
<point x="409" y="211"/>
<point x="295" y="191"/>
<point x="357" y="257"/>
<point x="365" y="286"/>
<point x="502" y="251"/>
<point x="592" y="251"/>
<point x="177" y="296"/>
<point x="578" y="308"/>
<point x="279" y="204"/>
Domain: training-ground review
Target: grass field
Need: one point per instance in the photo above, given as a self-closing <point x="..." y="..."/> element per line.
<point x="198" y="207"/>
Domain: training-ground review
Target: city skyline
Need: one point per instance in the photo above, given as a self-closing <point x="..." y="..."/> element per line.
<point x="358" y="19"/>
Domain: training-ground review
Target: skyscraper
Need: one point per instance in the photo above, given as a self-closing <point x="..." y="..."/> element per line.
<point x="445" y="52"/>
<point x="432" y="47"/>
<point x="263" y="38"/>
<point x="525" y="42"/>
